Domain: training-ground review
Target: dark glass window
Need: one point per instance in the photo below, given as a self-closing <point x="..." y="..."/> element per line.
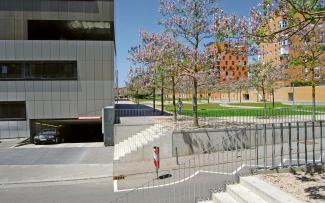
<point x="70" y="30"/>
<point x="38" y="70"/>
<point x="14" y="110"/>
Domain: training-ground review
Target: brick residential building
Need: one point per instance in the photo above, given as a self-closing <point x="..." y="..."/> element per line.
<point x="231" y="65"/>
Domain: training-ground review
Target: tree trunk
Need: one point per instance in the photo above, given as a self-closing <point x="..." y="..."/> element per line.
<point x="229" y="97"/>
<point x="194" y="105"/>
<point x="209" y="98"/>
<point x="137" y="97"/>
<point x="154" y="99"/>
<point x="174" y="98"/>
<point x="162" y="101"/>
<point x="239" y="96"/>
<point x="313" y="90"/>
<point x="273" y="103"/>
<point x="264" y="100"/>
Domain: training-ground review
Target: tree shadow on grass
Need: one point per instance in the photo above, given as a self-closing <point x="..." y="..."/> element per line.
<point x="315" y="192"/>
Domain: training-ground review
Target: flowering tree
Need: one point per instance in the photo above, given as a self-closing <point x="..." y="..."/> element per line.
<point x="241" y="85"/>
<point x="137" y="83"/>
<point x="299" y="15"/>
<point x="190" y="21"/>
<point x="302" y="22"/>
<point x="308" y="56"/>
<point x="160" y="52"/>
<point x="264" y="76"/>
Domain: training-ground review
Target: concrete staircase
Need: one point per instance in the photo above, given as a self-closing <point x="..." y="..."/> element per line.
<point x="139" y="140"/>
<point x="251" y="190"/>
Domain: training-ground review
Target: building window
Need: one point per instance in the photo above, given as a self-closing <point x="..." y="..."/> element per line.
<point x="13" y="110"/>
<point x="282" y="24"/>
<point x="237" y="58"/>
<point x="233" y="63"/>
<point x="38" y="70"/>
<point x="230" y="57"/>
<point x="226" y="62"/>
<point x="70" y="30"/>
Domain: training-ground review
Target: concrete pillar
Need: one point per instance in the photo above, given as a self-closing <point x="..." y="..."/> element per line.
<point x="108" y="117"/>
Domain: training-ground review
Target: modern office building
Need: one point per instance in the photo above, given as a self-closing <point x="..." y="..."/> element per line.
<point x="56" y="66"/>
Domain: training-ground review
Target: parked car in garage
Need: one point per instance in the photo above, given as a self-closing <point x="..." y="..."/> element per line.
<point x="49" y="135"/>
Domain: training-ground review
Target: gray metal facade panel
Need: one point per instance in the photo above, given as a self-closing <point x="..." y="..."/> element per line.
<point x="56" y="99"/>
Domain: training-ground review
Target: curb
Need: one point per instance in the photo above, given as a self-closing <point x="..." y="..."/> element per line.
<point x="53" y="181"/>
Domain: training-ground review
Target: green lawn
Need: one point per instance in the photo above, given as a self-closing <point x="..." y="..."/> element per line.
<point x="215" y="110"/>
<point x="245" y="112"/>
<point x="260" y="104"/>
<point x="200" y="107"/>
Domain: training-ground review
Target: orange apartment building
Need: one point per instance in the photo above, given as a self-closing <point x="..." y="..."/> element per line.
<point x="280" y="52"/>
<point x="231" y="65"/>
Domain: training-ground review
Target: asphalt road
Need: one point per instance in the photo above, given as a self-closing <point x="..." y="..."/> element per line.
<point x="48" y="156"/>
<point x="89" y="191"/>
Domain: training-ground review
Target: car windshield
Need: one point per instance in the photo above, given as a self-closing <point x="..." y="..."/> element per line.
<point x="48" y="131"/>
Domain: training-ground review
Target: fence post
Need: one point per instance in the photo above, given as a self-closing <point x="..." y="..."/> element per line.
<point x="265" y="150"/>
<point x="290" y="146"/>
<point x="298" y="140"/>
<point x="306" y="161"/>
<point x="321" y="142"/>
<point x="281" y="134"/>
<point x="256" y="144"/>
<point x="177" y="162"/>
<point x="273" y="144"/>
<point x="313" y="134"/>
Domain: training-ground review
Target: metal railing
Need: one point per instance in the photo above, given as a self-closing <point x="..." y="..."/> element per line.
<point x="238" y="151"/>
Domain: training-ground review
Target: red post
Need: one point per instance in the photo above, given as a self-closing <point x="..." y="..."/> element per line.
<point x="156" y="158"/>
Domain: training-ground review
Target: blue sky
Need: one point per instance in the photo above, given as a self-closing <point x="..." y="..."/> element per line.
<point x="133" y="16"/>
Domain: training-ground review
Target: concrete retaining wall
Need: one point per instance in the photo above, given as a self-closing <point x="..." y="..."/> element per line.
<point x="189" y="142"/>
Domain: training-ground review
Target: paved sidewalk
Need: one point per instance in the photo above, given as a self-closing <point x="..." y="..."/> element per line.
<point x="23" y="174"/>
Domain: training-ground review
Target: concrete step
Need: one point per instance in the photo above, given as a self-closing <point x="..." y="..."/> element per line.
<point x="243" y="195"/>
<point x="222" y="198"/>
<point x="268" y="192"/>
<point x="139" y="140"/>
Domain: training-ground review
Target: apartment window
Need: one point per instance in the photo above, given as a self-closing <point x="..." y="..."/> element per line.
<point x="237" y="58"/>
<point x="284" y="57"/>
<point x="38" y="70"/>
<point x="218" y="63"/>
<point x="12" y="110"/>
<point x="230" y="57"/>
<point x="282" y="24"/>
<point x="70" y="30"/>
<point x="223" y="57"/>
<point x="233" y="63"/>
<point x="245" y="63"/>
<point x="317" y="76"/>
<point x="226" y="62"/>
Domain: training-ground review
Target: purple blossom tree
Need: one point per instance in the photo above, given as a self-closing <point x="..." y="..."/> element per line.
<point x="190" y="21"/>
<point x="263" y="76"/>
<point x="160" y="53"/>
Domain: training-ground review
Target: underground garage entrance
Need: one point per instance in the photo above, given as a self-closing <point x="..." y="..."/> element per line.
<point x="71" y="130"/>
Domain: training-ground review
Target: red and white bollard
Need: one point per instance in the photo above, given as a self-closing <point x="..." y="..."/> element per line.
<point x="156" y="159"/>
